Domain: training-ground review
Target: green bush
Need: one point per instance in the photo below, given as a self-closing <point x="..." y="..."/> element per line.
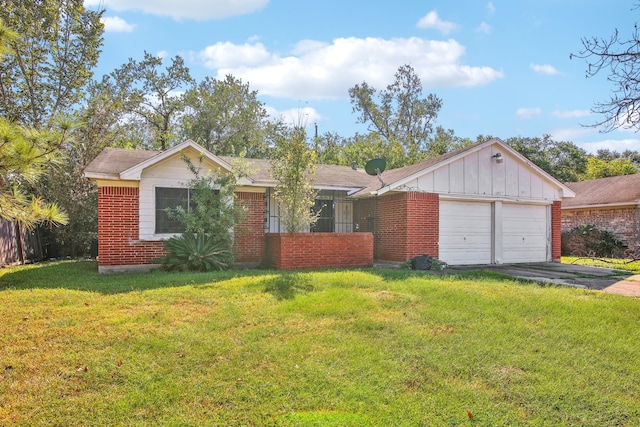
<point x="589" y="240"/>
<point x="196" y="252"/>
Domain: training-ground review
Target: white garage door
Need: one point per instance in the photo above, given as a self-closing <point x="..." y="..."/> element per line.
<point x="525" y="232"/>
<point x="465" y="233"/>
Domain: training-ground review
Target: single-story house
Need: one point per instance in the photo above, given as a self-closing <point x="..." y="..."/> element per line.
<point x="482" y="204"/>
<point x="611" y="204"/>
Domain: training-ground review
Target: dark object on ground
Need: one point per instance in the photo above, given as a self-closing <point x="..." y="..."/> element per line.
<point x="421" y="262"/>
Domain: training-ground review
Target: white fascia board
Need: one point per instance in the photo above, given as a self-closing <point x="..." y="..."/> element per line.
<point x="99" y="175"/>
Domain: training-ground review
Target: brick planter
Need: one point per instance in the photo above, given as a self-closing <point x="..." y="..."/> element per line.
<point x="290" y="251"/>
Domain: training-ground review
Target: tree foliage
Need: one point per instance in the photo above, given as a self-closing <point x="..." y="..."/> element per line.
<point x="293" y="167"/>
<point x="51" y="61"/>
<point x="25" y="155"/>
<point x="399" y="113"/>
<point x="563" y="160"/>
<point x="152" y="97"/>
<point x="213" y="210"/>
<point x="601" y="168"/>
<point x="226" y="118"/>
<point x="619" y="57"/>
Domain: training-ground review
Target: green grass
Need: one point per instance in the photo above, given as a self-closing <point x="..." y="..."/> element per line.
<point x="330" y="348"/>
<point x="618" y="264"/>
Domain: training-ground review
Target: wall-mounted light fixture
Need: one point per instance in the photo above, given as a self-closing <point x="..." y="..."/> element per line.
<point x="498" y="158"/>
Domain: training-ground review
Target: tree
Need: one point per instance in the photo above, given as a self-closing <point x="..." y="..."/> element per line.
<point x="226" y="118"/>
<point x="444" y="141"/>
<point x="153" y="97"/>
<point x="24" y="155"/>
<point x="398" y="114"/>
<point x="620" y="57"/>
<point x="600" y="168"/>
<point x="564" y="161"/>
<point x="51" y="61"/>
<point x="293" y="168"/>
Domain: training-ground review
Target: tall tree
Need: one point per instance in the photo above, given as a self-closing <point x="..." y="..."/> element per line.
<point x="618" y="56"/>
<point x="51" y="61"/>
<point x="226" y="118"/>
<point x="154" y="97"/>
<point x="399" y="113"/>
<point x="25" y="153"/>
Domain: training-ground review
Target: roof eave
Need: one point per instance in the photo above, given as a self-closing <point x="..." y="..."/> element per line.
<point x="603" y="205"/>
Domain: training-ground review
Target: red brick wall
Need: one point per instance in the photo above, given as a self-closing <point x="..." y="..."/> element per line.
<point x="118" y="229"/>
<point x="624" y="222"/>
<point x="248" y="244"/>
<point x="556" y="230"/>
<point x="289" y="251"/>
<point x="118" y="242"/>
<point x="407" y="225"/>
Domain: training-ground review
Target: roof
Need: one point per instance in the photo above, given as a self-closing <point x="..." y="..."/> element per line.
<point x="112" y="162"/>
<point x="616" y="190"/>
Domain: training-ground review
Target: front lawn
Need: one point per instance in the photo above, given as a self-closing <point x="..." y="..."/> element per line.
<point x="332" y="348"/>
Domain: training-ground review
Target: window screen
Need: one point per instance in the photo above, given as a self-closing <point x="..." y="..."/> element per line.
<point x="170" y="198"/>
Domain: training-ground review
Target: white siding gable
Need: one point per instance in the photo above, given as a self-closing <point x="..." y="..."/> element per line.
<point x="171" y="172"/>
<point x="477" y="174"/>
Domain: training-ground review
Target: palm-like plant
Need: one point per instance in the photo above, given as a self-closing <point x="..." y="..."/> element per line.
<point x="196" y="252"/>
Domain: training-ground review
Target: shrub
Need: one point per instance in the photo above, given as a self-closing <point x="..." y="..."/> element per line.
<point x="196" y="252"/>
<point x="589" y="240"/>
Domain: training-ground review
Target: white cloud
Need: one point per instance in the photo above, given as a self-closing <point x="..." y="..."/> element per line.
<point x="484" y="28"/>
<point x="491" y="8"/>
<point x="571" y="114"/>
<point x="528" y="113"/>
<point x="199" y="10"/>
<point x="232" y="56"/>
<point x="305" y="116"/>
<point x="432" y="20"/>
<point x="572" y="134"/>
<point x="544" y="69"/>
<point x="317" y="70"/>
<point x="611" y="144"/>
<point x="114" y="24"/>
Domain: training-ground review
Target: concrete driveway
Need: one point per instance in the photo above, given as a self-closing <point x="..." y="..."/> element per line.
<point x="579" y="276"/>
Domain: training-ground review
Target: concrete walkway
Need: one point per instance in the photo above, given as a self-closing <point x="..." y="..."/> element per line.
<point x="629" y="287"/>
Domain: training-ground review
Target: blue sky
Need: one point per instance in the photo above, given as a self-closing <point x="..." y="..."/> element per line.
<point x="501" y="67"/>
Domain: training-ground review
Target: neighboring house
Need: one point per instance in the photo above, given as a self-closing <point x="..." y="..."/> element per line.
<point x="610" y="204"/>
<point x="482" y="204"/>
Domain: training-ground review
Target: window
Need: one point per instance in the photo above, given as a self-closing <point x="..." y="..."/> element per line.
<point x="326" y="219"/>
<point x="170" y="198"/>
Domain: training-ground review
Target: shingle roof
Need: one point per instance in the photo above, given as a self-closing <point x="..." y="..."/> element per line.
<point x="605" y="191"/>
<point x="113" y="161"/>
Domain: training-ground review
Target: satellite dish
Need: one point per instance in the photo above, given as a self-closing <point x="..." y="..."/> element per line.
<point x="376" y="167"/>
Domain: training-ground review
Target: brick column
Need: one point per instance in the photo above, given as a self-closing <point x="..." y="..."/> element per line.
<point x="556" y="231"/>
<point x="248" y="246"/>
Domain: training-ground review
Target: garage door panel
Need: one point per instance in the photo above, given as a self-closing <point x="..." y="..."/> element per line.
<point x="465" y="233"/>
<point x="525" y="233"/>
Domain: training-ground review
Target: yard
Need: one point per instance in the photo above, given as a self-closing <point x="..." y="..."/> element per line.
<point x="331" y="348"/>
